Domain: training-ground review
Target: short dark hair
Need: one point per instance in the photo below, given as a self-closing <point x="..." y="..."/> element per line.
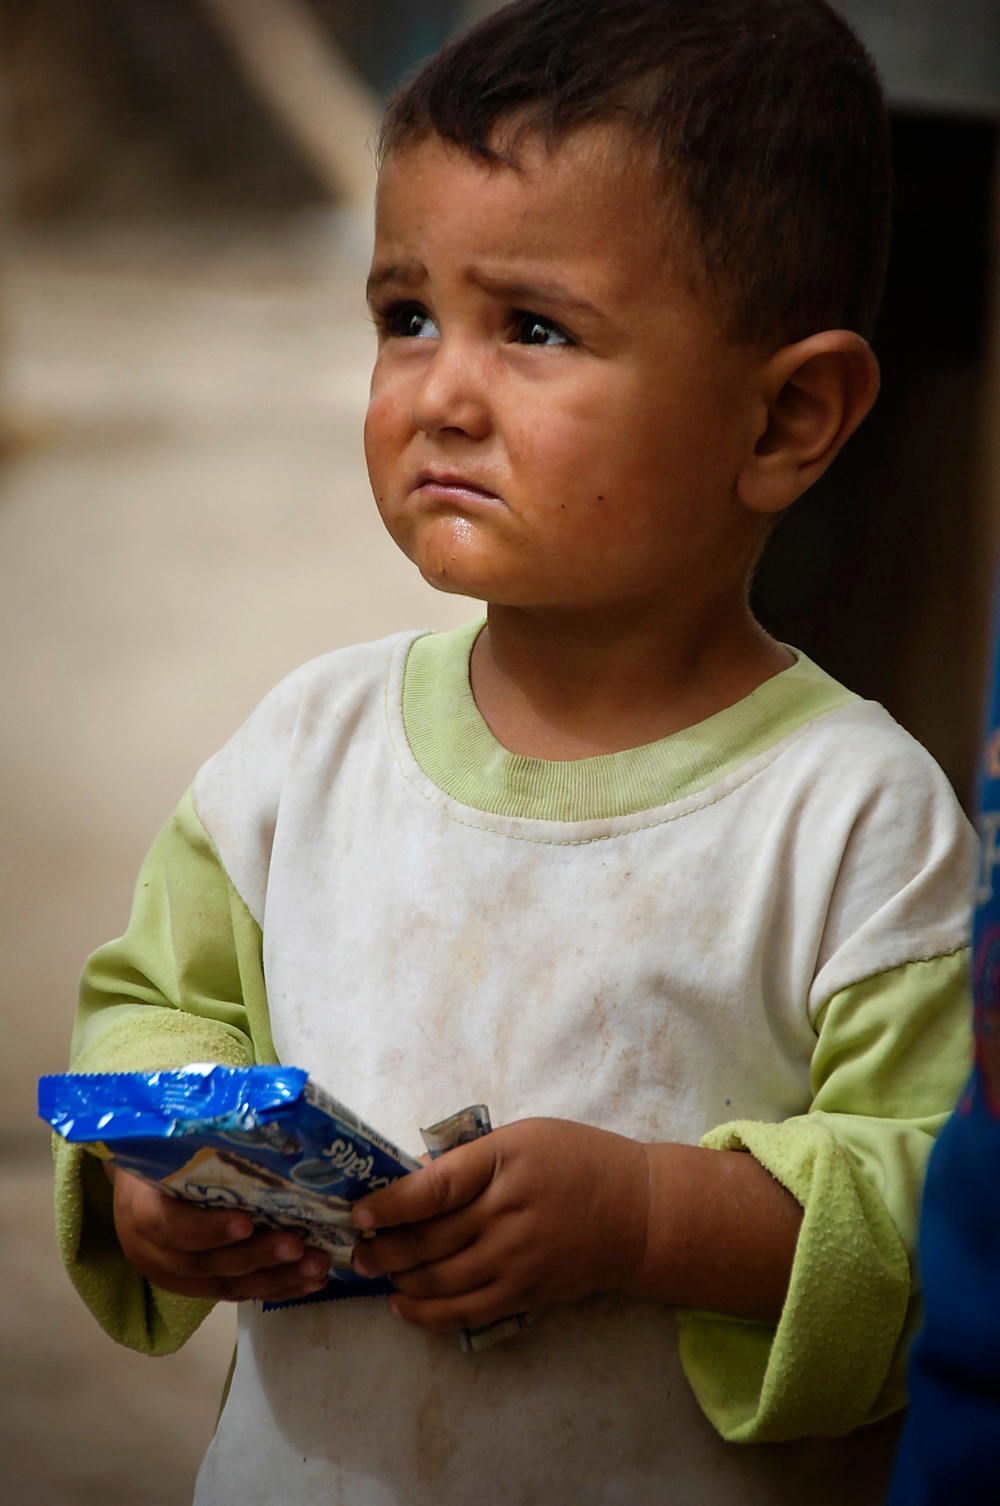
<point x="766" y="115"/>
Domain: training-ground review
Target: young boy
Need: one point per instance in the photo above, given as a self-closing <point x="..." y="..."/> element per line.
<point x="685" y="913"/>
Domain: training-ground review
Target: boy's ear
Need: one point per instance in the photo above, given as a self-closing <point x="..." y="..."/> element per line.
<point x="814" y="395"/>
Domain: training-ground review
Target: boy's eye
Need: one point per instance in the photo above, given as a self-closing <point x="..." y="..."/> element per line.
<point x="532" y="329"/>
<point x="408" y="321"/>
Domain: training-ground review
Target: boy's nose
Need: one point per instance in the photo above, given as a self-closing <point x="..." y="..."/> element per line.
<point x="452" y="394"/>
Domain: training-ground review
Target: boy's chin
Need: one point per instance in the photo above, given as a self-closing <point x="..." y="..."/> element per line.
<point x="494" y="576"/>
<point x="454" y="573"/>
<point x="453" y="587"/>
<point x="459" y="577"/>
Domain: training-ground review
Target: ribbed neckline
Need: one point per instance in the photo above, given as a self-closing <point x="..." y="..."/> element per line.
<point x="457" y="751"/>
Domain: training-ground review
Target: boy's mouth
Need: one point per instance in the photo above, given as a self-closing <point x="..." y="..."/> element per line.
<point x="451" y="485"/>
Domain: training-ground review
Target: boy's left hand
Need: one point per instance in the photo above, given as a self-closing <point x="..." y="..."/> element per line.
<point x="539" y="1211"/>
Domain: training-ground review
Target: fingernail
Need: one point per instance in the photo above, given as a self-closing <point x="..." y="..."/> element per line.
<point x="312" y="1265"/>
<point x="287" y="1249"/>
<point x="364" y="1219"/>
<point x="394" y="1309"/>
<point x="360" y="1263"/>
<point x="237" y="1229"/>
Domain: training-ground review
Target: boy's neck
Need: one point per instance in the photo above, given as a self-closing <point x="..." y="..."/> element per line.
<point x="564" y="686"/>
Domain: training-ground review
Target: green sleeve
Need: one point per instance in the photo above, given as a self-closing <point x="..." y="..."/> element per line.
<point x="891" y="1057"/>
<point x="185" y="983"/>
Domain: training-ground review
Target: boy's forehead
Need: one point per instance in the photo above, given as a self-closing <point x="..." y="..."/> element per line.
<point x="583" y="199"/>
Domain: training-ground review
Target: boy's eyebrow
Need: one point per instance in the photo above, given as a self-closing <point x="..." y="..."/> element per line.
<point x="556" y="294"/>
<point x="398" y="272"/>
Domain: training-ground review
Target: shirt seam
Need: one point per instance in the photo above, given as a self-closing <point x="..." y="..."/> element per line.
<point x="881" y="972"/>
<point x="479" y="791"/>
<point x="610" y="836"/>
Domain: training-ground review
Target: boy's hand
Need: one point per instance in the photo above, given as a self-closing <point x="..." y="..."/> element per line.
<point x="209" y="1252"/>
<point x="539" y="1211"/>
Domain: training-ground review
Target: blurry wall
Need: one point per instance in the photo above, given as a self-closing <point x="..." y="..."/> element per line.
<point x="884" y="571"/>
<point x="138" y="103"/>
<point x="116" y="106"/>
<point x="934" y="54"/>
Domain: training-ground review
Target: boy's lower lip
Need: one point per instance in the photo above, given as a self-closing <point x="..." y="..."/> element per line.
<point x="453" y="491"/>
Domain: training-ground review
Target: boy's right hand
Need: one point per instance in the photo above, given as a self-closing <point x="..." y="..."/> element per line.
<point x="210" y="1252"/>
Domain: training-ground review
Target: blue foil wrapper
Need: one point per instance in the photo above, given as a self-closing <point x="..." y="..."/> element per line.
<point x="264" y="1140"/>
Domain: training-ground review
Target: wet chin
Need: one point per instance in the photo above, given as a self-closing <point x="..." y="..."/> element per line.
<point x="446" y="573"/>
<point x="450" y="557"/>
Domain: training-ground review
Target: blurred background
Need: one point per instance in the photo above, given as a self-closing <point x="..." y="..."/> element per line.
<point x="185" y="190"/>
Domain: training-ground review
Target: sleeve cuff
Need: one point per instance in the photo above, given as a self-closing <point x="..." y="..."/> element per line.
<point x="823" y="1369"/>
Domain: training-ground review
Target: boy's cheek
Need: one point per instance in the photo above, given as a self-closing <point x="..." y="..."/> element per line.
<point x="390" y="401"/>
<point x="387" y="430"/>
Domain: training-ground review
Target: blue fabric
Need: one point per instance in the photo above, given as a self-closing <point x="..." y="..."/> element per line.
<point x="950" y="1450"/>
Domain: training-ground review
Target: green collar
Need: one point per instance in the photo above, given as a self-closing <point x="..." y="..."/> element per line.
<point x="458" y="752"/>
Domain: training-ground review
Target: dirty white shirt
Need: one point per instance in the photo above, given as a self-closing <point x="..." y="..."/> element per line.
<point x="652" y="942"/>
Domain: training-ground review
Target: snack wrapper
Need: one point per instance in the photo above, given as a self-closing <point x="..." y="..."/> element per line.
<point x="265" y="1140"/>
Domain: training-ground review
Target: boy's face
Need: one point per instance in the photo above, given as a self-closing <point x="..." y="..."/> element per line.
<point x="556" y="417"/>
